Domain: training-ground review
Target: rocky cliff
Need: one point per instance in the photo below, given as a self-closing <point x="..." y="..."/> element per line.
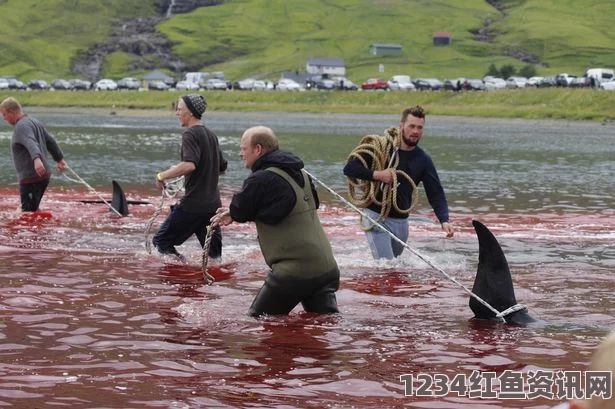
<point x="139" y="38"/>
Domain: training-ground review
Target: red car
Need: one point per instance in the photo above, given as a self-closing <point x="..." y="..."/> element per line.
<point x="375" y="84"/>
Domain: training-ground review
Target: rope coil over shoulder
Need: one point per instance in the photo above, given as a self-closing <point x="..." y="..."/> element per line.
<point x="382" y="150"/>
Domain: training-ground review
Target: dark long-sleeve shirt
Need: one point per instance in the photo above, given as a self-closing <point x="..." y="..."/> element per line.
<point x="266" y="196"/>
<point x="419" y="166"/>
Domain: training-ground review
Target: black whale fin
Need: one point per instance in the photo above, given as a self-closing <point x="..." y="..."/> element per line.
<point x="118" y="201"/>
<point x="493" y="282"/>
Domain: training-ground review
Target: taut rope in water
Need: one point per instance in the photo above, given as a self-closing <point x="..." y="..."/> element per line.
<point x="172" y="188"/>
<point x="90" y="188"/>
<point x="498" y="314"/>
<point x="209" y="280"/>
<point x="383" y="152"/>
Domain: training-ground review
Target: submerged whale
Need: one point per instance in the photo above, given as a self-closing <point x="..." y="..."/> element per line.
<point x="493" y="282"/>
<point x="118" y="200"/>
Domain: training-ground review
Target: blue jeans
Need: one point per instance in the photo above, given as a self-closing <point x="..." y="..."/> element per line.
<point x="380" y="242"/>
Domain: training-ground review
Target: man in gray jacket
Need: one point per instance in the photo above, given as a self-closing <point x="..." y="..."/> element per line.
<point x="31" y="146"/>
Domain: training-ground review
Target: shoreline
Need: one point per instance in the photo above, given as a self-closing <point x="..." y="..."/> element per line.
<point x="256" y="116"/>
<point x="539" y="104"/>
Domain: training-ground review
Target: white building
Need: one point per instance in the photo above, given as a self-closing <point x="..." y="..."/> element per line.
<point x="330" y="66"/>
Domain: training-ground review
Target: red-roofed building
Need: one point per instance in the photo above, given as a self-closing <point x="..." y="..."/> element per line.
<point x="441" y="38"/>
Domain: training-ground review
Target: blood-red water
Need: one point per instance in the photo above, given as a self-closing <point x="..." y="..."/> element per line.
<point x="88" y="319"/>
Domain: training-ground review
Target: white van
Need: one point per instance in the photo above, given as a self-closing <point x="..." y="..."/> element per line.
<point x="600" y="75"/>
<point x="197" y="78"/>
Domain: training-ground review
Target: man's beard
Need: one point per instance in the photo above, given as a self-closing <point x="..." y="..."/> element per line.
<point x="407" y="140"/>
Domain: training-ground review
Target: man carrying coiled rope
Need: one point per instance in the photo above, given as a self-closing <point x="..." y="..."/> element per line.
<point x="201" y="164"/>
<point x="282" y="201"/>
<point x="383" y="172"/>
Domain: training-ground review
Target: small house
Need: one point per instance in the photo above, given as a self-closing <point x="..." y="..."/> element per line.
<point x="382" y="50"/>
<point x="441" y="38"/>
<point x="329" y="66"/>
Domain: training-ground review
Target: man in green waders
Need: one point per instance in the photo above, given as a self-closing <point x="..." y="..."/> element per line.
<point x="282" y="201"/>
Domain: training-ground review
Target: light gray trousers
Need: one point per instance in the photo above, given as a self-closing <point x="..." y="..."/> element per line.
<point x="380" y="242"/>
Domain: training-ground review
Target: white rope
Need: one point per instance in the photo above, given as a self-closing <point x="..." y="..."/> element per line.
<point x="90" y="188"/>
<point x="510" y="310"/>
<point x="171" y="189"/>
<point x="413" y="251"/>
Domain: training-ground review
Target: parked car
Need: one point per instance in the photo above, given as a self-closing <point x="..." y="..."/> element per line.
<point x="564" y="80"/>
<point x="286" y="84"/>
<point x="428" y="84"/>
<point x="534" y="81"/>
<point x="494" y="83"/>
<point x="475" y="84"/>
<point x="14" y="83"/>
<point x="580" y="82"/>
<point x="321" y="83"/>
<point x="600" y="75"/>
<point x="4" y="83"/>
<point x="344" y="84"/>
<point x="105" y="85"/>
<point x="453" y="84"/>
<point x="548" y="81"/>
<point x="61" y="84"/>
<point x="246" y="84"/>
<point x="516" y="82"/>
<point x="158" y="86"/>
<point x="38" y="84"/>
<point x="186" y="86"/>
<point x="129" y="83"/>
<point x="80" y="84"/>
<point x="608" y="85"/>
<point x="401" y="83"/>
<point x="171" y="82"/>
<point x="215" y="84"/>
<point x="375" y="84"/>
<point x="261" y="85"/>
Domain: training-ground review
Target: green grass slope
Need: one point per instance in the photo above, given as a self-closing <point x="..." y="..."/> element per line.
<point x="248" y="37"/>
<point x="266" y="37"/>
<point x="568" y="35"/>
<point x="39" y="39"/>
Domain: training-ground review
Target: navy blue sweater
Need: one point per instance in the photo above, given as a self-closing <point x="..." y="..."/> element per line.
<point x="416" y="163"/>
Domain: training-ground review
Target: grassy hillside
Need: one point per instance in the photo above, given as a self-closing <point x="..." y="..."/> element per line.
<point x="265" y="37"/>
<point x="39" y="39"/>
<point x="569" y="35"/>
<point x="560" y="103"/>
<point x="268" y="36"/>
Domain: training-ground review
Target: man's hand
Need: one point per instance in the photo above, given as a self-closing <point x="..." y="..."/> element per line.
<point x="39" y="168"/>
<point x="159" y="181"/>
<point x="384" y="176"/>
<point x="448" y="228"/>
<point x="222" y="218"/>
<point x="61" y="165"/>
